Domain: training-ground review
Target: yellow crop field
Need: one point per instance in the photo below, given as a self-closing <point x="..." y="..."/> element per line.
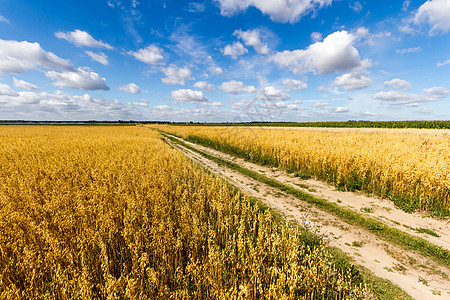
<point x="91" y="212"/>
<point x="411" y="167"/>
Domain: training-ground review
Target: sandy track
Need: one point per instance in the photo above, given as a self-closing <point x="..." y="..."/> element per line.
<point x="418" y="276"/>
<point x="382" y="209"/>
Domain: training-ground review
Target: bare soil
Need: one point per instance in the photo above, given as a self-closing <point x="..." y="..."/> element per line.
<point x="420" y="277"/>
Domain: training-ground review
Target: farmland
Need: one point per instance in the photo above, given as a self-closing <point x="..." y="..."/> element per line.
<point x="410" y="167"/>
<point x="114" y="212"/>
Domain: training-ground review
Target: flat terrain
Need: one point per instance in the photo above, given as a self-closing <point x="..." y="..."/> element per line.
<point x="420" y="277"/>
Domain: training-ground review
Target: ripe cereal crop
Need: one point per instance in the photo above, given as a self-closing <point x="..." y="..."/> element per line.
<point x="409" y="166"/>
<point x="114" y="212"/>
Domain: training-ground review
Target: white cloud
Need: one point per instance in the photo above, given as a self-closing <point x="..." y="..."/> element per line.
<point x="405" y="5"/>
<point x="356" y="6"/>
<point x="63" y="106"/>
<point x="176" y="75"/>
<point x="81" y="79"/>
<point x="440" y="64"/>
<point x="408" y="50"/>
<point x="143" y="103"/>
<point x="205" y="85"/>
<point x="130" y="88"/>
<point x="98" y="57"/>
<point x="195" y="7"/>
<point x="82" y="38"/>
<point x="188" y="95"/>
<point x="294" y="84"/>
<point x="6" y="90"/>
<point x="18" y="57"/>
<point x="406" y="28"/>
<point x="272" y="93"/>
<point x="188" y="44"/>
<point x="352" y="81"/>
<point x="244" y="104"/>
<point x="3" y="19"/>
<point x="252" y="38"/>
<point x="234" y="50"/>
<point x="237" y="87"/>
<point x="279" y="11"/>
<point x="24" y="85"/>
<point x="436" y="13"/>
<point x="321" y="105"/>
<point x="401" y="98"/>
<point x="215" y="104"/>
<point x="150" y="55"/>
<point x="341" y="109"/>
<point x="335" y="54"/>
<point x="162" y="107"/>
<point x="316" y="36"/>
<point x="215" y="70"/>
<point x="398" y="84"/>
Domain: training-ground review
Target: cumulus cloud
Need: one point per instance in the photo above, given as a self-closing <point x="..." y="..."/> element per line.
<point x="237" y="87"/>
<point x="82" y="38"/>
<point x="341" y="109"/>
<point x="352" y="81"/>
<point x="316" y="37"/>
<point x="188" y="95"/>
<point x="440" y="64"/>
<point x="215" y="70"/>
<point x="98" y="57"/>
<point x="279" y="11"/>
<point x="81" y="79"/>
<point x="150" y="55"/>
<point x="253" y="38"/>
<point x="19" y="57"/>
<point x="63" y="106"/>
<point x="293" y="84"/>
<point x="401" y="98"/>
<point x="272" y="93"/>
<point x="205" y="85"/>
<point x="142" y="104"/>
<point x="215" y="104"/>
<point x="435" y="13"/>
<point x="336" y="53"/>
<point x="398" y="84"/>
<point x="24" y="85"/>
<point x="408" y="50"/>
<point x="234" y="50"/>
<point x="176" y="75"/>
<point x="130" y="88"/>
<point x="321" y="105"/>
<point x="6" y="90"/>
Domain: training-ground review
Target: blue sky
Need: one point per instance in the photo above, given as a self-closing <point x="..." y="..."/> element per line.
<point x="225" y="60"/>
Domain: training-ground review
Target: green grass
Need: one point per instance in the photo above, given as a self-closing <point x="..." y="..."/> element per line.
<point x="423" y="230"/>
<point x="383" y="288"/>
<point x="383" y="231"/>
<point x="407" y="203"/>
<point x="436" y="124"/>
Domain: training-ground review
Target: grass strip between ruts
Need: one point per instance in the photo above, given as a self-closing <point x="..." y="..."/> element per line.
<point x="385" y="232"/>
<point x="383" y="288"/>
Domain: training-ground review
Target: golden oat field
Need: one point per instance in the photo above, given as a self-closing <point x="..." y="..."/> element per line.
<point x="410" y="167"/>
<point x="105" y="212"/>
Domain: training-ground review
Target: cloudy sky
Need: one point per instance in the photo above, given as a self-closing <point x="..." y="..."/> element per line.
<point x="224" y="60"/>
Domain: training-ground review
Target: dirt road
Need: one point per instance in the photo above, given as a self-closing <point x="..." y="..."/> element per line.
<point x="420" y="277"/>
